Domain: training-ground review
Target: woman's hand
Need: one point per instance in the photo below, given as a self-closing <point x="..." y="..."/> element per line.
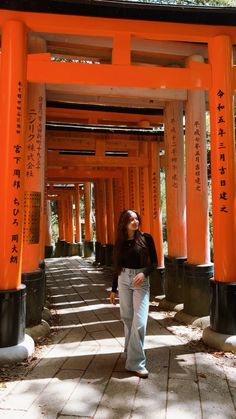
<point x="113" y="296"/>
<point x="138" y="279"/>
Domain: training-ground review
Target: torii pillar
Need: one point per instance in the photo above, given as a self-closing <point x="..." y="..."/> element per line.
<point x="88" y="234"/>
<point x="157" y="277"/>
<point x="78" y="220"/>
<point x="48" y="230"/>
<point x="61" y="221"/>
<point x="110" y="222"/>
<point x="13" y="112"/>
<point x="223" y="305"/>
<point x="69" y="224"/>
<point x="61" y="247"/>
<point x="33" y="276"/>
<point x="101" y="221"/>
<point x="175" y="202"/>
<point x="134" y="188"/>
<point x="198" y="269"/>
<point x="144" y="184"/>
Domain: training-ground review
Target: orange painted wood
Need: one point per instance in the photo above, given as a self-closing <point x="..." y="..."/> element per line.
<point x="97" y="212"/>
<point x="64" y="219"/>
<point x="58" y="140"/>
<point x="69" y="221"/>
<point x="61" y="222"/>
<point x="144" y="190"/>
<point x="40" y="69"/>
<point x="100" y="148"/>
<point x="110" y="211"/>
<point x="82" y="174"/>
<point x="106" y="118"/>
<point x="77" y="215"/>
<point x="43" y="22"/>
<point x="34" y="162"/>
<point x="175" y="181"/>
<point x="126" y="187"/>
<point x="155" y="201"/>
<point x="101" y="211"/>
<point x="119" y="204"/>
<point x="223" y="158"/>
<point x="13" y="109"/>
<point x="121" y="53"/>
<point x="87" y="211"/>
<point x="134" y="188"/>
<point x="198" y="249"/>
<point x="55" y="159"/>
<point x="48" y="224"/>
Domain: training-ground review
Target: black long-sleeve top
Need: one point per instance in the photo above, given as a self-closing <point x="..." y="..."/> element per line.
<point x="131" y="258"/>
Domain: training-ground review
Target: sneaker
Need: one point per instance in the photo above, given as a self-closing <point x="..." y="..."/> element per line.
<point x="143" y="373"/>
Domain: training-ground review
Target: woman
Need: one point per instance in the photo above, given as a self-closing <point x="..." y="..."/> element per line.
<point x="134" y="259"/>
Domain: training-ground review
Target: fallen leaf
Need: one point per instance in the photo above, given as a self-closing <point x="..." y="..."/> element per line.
<point x="202" y="375"/>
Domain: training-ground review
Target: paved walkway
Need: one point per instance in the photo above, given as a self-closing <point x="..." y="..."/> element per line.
<point x="79" y="371"/>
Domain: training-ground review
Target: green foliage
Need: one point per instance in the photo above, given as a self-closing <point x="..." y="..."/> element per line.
<point x="54" y="221"/>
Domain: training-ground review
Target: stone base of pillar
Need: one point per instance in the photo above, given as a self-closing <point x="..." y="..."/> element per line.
<point x="12" y="316"/>
<point x="109" y="254"/>
<point x="174" y="278"/>
<point x="48" y="252"/>
<point x="80" y="249"/>
<point x="60" y="249"/>
<point x="197" y="291"/>
<point x="220" y="341"/>
<point x="223" y="307"/>
<point x="17" y="353"/>
<point x="88" y="248"/>
<point x="157" y="282"/>
<point x="72" y="249"/>
<point x="35" y="292"/>
<point x="42" y="267"/>
<point x="97" y="252"/>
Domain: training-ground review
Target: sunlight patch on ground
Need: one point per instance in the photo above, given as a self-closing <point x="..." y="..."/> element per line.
<point x="82" y="309"/>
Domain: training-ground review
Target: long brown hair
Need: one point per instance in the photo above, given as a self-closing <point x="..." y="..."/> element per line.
<point x="122" y="236"/>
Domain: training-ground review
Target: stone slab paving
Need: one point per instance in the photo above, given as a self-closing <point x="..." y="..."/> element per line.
<point x="79" y="371"/>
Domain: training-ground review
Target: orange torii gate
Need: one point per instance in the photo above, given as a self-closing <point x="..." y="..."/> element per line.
<point x="159" y="58"/>
<point x="73" y="150"/>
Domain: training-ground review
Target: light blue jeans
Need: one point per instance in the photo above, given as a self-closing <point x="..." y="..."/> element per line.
<point x="134" y="305"/>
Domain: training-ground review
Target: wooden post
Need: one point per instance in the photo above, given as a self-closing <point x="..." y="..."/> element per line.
<point x="110" y="211"/>
<point x="155" y="201"/>
<point x="134" y="188"/>
<point x="13" y="111"/>
<point x="223" y="305"/>
<point x="34" y="170"/>
<point x="12" y="127"/>
<point x="77" y="214"/>
<point x="175" y="201"/>
<point x="198" y="268"/>
<point x="144" y="184"/>
<point x="87" y="208"/>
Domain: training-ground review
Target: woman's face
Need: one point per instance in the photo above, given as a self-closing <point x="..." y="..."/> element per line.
<point x="133" y="223"/>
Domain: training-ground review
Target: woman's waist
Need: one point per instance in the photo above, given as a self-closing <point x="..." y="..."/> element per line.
<point x="131" y="270"/>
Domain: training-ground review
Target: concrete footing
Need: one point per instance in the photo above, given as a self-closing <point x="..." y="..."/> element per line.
<point x="164" y="304"/>
<point x="39" y="331"/>
<point x="188" y="319"/>
<point x="17" y="353"/>
<point x="220" y="341"/>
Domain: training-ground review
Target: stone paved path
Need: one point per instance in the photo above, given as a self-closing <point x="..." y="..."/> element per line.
<point x="80" y="372"/>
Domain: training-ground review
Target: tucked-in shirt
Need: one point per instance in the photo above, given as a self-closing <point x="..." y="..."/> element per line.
<point x="131" y="258"/>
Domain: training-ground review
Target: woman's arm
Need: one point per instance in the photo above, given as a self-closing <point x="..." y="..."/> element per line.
<point x="113" y="293"/>
<point x="152" y="254"/>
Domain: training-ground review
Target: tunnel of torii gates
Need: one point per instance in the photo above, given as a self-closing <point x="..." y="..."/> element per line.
<point x="127" y="98"/>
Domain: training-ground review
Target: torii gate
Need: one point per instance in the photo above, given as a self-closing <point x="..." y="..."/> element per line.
<point x="125" y="67"/>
